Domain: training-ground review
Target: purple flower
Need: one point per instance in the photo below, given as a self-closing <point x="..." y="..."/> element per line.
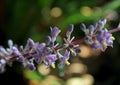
<point x="44" y="54"/>
<point x="38" y="57"/>
<point x="30" y="44"/>
<point x="105" y="39"/>
<point x="97" y="36"/>
<point x="10" y="43"/>
<point x="83" y="27"/>
<point x="50" y="60"/>
<point x="40" y="47"/>
<point x="54" y="33"/>
<point x="50" y="51"/>
<point x="48" y="40"/>
<point x="39" y="52"/>
<point x="3" y="51"/>
<point x="2" y="65"/>
<point x="31" y="65"/>
<point x="69" y="31"/>
<point x="16" y="53"/>
<point x="69" y="41"/>
<point x="64" y="59"/>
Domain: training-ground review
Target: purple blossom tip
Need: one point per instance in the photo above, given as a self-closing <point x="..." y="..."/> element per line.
<point x="31" y="66"/>
<point x="10" y="43"/>
<point x="67" y="55"/>
<point x="48" y="40"/>
<point x="30" y="42"/>
<point x="15" y="51"/>
<point x="55" y="31"/>
<point x="98" y="37"/>
<point x="64" y="59"/>
<point x="77" y="50"/>
<point x="40" y="46"/>
<point x="2" y="65"/>
<point x="91" y="29"/>
<point x="83" y="27"/>
<point x="69" y="31"/>
<point x="49" y="59"/>
<point x="70" y="28"/>
<point x="103" y="21"/>
<point x="3" y="50"/>
<point x="38" y="58"/>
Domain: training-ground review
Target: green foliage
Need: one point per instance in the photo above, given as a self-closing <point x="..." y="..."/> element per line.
<point x="32" y="75"/>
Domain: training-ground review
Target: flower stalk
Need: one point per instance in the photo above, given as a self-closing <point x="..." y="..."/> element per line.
<point x="49" y="52"/>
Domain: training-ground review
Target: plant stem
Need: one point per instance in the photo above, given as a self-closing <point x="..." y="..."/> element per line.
<point x="114" y="30"/>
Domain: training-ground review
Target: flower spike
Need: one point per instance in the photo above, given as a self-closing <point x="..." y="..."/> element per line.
<point x="50" y="51"/>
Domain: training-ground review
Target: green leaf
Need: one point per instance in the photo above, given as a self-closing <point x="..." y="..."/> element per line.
<point x="32" y="75"/>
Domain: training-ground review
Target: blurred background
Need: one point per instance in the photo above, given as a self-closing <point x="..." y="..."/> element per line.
<point x="21" y="19"/>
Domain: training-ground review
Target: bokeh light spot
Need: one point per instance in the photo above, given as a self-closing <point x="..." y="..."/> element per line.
<point x="86" y="11"/>
<point x="56" y="12"/>
<point x="86" y="79"/>
<point x="87" y="51"/>
<point x="78" y="68"/>
<point x="111" y="15"/>
<point x="34" y="82"/>
<point x="42" y="69"/>
<point x="51" y="80"/>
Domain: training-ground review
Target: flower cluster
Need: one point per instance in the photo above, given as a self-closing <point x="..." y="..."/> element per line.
<point x="50" y="51"/>
<point x="97" y="36"/>
<point x="47" y="52"/>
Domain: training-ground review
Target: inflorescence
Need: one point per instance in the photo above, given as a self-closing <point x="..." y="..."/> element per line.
<point x="50" y="51"/>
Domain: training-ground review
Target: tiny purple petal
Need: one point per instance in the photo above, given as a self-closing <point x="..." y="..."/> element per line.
<point x="2" y="61"/>
<point x="67" y="55"/>
<point x="38" y="58"/>
<point x="20" y="58"/>
<point x="103" y="21"/>
<point x="64" y="58"/>
<point x="49" y="59"/>
<point x="40" y="47"/>
<point x="83" y="27"/>
<point x="48" y="40"/>
<point x="2" y="65"/>
<point x="10" y="43"/>
<point x="70" y="28"/>
<point x="96" y="26"/>
<point x="91" y="29"/>
<point x="30" y="42"/>
<point x="46" y="51"/>
<point x="95" y="45"/>
<point x="3" y="51"/>
<point x="15" y="51"/>
<point x="31" y="66"/>
<point x="54" y="33"/>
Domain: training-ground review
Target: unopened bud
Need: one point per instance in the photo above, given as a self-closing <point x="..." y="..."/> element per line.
<point x="67" y="62"/>
<point x="53" y="65"/>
